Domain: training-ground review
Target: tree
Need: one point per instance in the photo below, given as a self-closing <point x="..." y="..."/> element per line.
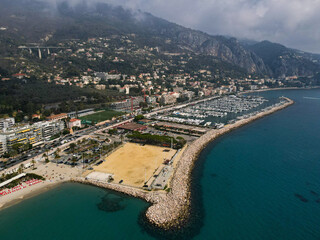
<point x="33" y="163"/>
<point x="45" y="155"/>
<point x="72" y="147"/>
<point x="17" y="147"/>
<point x="73" y="160"/>
<point x="65" y="131"/>
<point x="56" y="155"/>
<point x="138" y="118"/>
<point x="112" y="131"/>
<point x="21" y="167"/>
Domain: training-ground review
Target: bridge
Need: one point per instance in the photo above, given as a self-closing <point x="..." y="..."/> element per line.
<point x="39" y="49"/>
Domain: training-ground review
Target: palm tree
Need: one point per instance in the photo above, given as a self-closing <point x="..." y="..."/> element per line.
<point x="45" y="155"/>
<point x="20" y="170"/>
<point x="74" y="159"/>
<point x="33" y="162"/>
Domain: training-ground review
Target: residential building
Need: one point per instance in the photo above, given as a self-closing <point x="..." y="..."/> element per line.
<point x="48" y="129"/>
<point x="57" y="117"/>
<point x="74" y="122"/>
<point x="151" y="99"/>
<point x="34" y="134"/>
<point x="168" y="99"/>
<point x="100" y="87"/>
<point x="127" y="104"/>
<point x="6" y="123"/>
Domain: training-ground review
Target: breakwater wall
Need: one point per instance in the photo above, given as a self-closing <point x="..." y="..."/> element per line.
<point x="174" y="209"/>
<point x="170" y="210"/>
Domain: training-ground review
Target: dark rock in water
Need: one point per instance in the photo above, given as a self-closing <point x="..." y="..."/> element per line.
<point x="314" y="193"/>
<point x="302" y="198"/>
<point x="111" y="203"/>
<point x="213" y="175"/>
<point x="318" y="200"/>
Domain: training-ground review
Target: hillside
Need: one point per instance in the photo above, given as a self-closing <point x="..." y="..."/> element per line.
<point x="32" y="21"/>
<point x="29" y="21"/>
<point x="285" y="61"/>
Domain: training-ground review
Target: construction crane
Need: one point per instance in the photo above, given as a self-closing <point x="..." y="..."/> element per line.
<point x="131" y="98"/>
<point x="144" y="94"/>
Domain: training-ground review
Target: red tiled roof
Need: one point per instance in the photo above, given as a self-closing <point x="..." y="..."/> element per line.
<point x="74" y="120"/>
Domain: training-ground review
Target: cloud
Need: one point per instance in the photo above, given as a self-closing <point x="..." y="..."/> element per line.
<point x="294" y="23"/>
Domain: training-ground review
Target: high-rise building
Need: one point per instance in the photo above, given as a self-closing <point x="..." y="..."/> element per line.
<point x="33" y="134"/>
<point x="6" y="123"/>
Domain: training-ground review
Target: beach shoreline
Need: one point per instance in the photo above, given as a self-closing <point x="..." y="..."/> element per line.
<point x="45" y="186"/>
<point x="54" y="175"/>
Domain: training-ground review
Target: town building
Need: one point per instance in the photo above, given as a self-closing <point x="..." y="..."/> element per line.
<point x="151" y="99"/>
<point x="6" y="123"/>
<point x="48" y="129"/>
<point x="168" y="99"/>
<point x="60" y="116"/>
<point x="100" y="87"/>
<point x="127" y="104"/>
<point x="34" y="134"/>
<point x="74" y="122"/>
<point x="81" y="113"/>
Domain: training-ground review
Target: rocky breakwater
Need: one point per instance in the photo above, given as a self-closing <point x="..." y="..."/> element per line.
<point x="173" y="209"/>
<point x="152" y="197"/>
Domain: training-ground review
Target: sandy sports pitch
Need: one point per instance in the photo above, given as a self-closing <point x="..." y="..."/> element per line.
<point x="134" y="163"/>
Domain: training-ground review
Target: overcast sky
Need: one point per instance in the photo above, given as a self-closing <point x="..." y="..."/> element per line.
<point x="294" y="23"/>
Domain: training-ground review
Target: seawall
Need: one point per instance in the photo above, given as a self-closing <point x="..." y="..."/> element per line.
<point x="173" y="210"/>
<point x="170" y="210"/>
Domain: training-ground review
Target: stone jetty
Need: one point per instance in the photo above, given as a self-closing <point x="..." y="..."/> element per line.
<point x="172" y="209"/>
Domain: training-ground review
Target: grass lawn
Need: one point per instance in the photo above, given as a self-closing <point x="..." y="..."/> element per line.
<point x="101" y="116"/>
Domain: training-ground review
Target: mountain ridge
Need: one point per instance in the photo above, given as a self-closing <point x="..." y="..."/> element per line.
<point x="37" y="21"/>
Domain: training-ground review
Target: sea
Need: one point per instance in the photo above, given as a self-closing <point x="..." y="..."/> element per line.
<point x="261" y="181"/>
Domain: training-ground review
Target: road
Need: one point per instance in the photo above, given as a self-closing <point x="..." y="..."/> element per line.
<point x="62" y="142"/>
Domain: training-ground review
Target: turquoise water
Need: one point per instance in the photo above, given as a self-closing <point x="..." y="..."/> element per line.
<point x="71" y="211"/>
<point x="261" y="181"/>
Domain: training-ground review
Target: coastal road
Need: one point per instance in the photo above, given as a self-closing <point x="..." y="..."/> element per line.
<point x="98" y="128"/>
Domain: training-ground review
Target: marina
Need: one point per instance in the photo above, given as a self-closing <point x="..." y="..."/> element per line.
<point x="217" y="112"/>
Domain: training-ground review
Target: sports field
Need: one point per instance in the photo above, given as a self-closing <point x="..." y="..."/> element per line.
<point x="134" y="163"/>
<point x="101" y="116"/>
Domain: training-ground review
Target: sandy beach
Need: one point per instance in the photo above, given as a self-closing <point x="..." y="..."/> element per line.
<point x="54" y="175"/>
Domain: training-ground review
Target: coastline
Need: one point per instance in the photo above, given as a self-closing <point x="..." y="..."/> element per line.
<point x="54" y="175"/>
<point x="174" y="208"/>
<point x="278" y="89"/>
<point x="45" y="186"/>
<point x="168" y="210"/>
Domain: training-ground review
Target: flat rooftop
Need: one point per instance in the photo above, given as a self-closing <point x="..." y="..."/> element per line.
<point x="182" y="126"/>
